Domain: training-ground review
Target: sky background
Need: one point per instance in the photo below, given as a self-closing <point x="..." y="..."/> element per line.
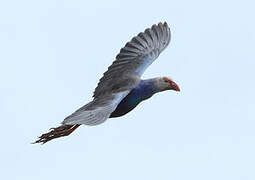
<point x="52" y="54"/>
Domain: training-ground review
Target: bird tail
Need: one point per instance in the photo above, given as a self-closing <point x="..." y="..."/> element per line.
<point x="63" y="130"/>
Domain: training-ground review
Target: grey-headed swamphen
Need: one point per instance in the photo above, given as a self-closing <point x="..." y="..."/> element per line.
<point x="120" y="90"/>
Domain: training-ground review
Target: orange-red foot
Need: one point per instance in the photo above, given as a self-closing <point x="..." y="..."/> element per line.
<point x="63" y="130"/>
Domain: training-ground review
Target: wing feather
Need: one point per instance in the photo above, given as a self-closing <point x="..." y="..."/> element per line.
<point x="134" y="58"/>
<point x="97" y="111"/>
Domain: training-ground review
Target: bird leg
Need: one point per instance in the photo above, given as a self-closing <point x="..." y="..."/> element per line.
<point x="63" y="130"/>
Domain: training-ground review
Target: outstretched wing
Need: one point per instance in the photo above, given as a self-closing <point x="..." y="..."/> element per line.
<point x="134" y="58"/>
<point x="97" y="111"/>
<point x="122" y="75"/>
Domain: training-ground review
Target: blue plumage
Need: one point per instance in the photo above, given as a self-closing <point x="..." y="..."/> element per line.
<point x="143" y="91"/>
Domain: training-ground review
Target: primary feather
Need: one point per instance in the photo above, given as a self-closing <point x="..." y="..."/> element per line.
<point x="134" y="58"/>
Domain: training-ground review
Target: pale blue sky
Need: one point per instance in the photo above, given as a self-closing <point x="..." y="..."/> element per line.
<point x="52" y="54"/>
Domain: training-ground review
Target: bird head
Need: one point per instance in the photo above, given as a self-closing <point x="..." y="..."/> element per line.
<point x="166" y="83"/>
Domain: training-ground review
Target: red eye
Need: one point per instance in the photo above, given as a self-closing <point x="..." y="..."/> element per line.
<point x="165" y="80"/>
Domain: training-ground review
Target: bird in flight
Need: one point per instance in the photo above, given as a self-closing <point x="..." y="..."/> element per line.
<point x="121" y="88"/>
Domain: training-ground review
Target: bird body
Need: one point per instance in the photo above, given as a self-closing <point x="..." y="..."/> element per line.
<point x="144" y="90"/>
<point x="121" y="88"/>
